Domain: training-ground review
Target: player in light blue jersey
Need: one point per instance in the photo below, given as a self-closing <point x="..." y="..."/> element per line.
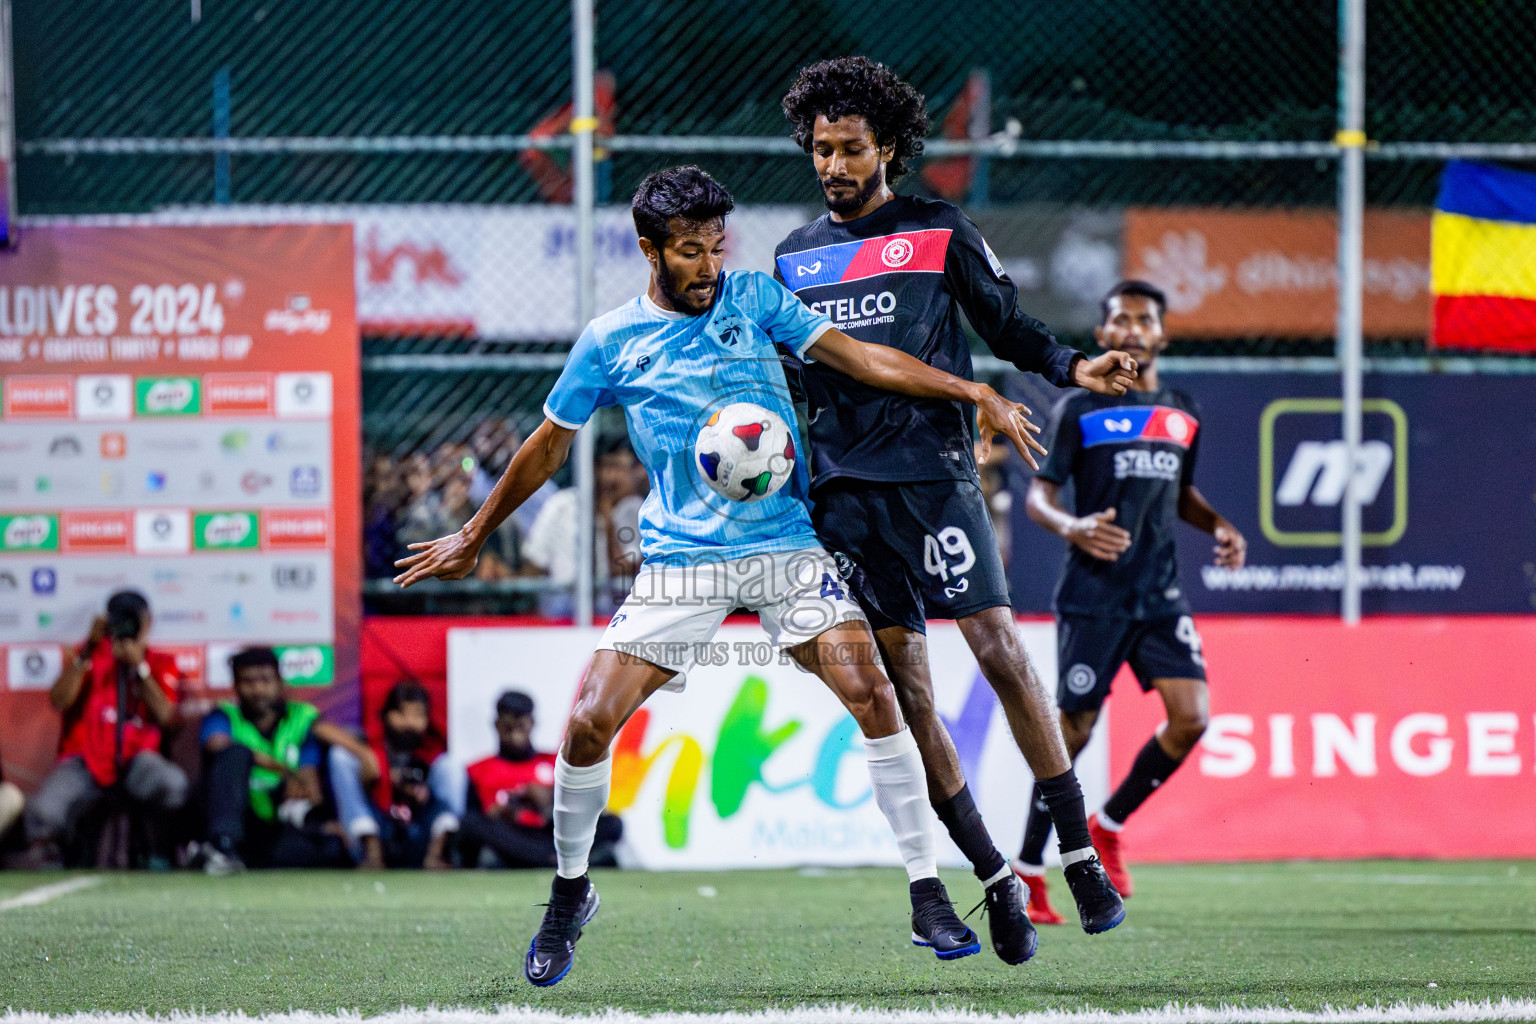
<point x="700" y="339"/>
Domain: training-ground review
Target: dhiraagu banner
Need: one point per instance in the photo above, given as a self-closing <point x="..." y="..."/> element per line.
<point x="756" y="764"/>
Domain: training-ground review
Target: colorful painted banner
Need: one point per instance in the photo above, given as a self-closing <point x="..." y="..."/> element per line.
<point x="1484" y="262"/>
<point x="756" y="764"/>
<point x="1400" y="737"/>
<point x="1245" y="273"/>
<point x="166" y="423"/>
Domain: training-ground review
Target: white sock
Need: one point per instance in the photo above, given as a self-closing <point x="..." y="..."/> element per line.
<point x="1073" y="856"/>
<point x="1109" y="824"/>
<point x="901" y="791"/>
<point x="580" y="796"/>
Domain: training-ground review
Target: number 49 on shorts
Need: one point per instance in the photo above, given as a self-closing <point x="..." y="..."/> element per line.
<point x="950" y="541"/>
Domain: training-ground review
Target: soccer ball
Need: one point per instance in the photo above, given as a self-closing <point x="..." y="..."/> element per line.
<point x="745" y="452"/>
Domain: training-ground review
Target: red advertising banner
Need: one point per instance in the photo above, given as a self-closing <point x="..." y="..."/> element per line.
<point x="1243" y="273"/>
<point x="181" y="416"/>
<point x="1400" y="737"/>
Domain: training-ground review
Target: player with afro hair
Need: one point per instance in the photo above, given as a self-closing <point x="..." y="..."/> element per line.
<point x="894" y="483"/>
<point x="859" y="87"/>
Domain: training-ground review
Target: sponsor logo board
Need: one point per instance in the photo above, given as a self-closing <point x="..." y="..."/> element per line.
<point x="225" y="531"/>
<point x="168" y="396"/>
<point x="284" y="529"/>
<point x="97" y="531"/>
<point x="39" y="397"/>
<point x="237" y="394"/>
<point x="104" y="396"/>
<point x="37" y="531"/>
<point x="162" y="531"/>
<point x="33" y="666"/>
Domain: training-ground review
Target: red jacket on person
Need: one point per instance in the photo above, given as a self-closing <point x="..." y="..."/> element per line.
<point x="498" y="781"/>
<point x="90" y="724"/>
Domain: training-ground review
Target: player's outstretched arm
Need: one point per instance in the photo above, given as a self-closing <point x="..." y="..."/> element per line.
<point x="1109" y="374"/>
<point x="1231" y="546"/>
<point x="893" y="370"/>
<point x="453" y="557"/>
<point x="1095" y="533"/>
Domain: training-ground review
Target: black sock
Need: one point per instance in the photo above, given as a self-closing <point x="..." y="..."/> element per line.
<point x="1150" y="770"/>
<point x="922" y="889"/>
<point x="960" y="816"/>
<point x="1037" y="829"/>
<point x="1064" y="798"/>
<point x="570" y="886"/>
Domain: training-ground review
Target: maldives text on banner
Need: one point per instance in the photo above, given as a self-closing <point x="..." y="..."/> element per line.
<point x="180" y="409"/>
<point x="1484" y="265"/>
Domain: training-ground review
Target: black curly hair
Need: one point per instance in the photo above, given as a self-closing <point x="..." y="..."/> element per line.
<point x="686" y="192"/>
<point x="859" y="87"/>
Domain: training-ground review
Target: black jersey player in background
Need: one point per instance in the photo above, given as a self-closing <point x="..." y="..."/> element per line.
<point x="895" y="489"/>
<point x="1131" y="461"/>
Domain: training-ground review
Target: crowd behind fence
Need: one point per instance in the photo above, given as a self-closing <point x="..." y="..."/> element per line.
<point x="1195" y="142"/>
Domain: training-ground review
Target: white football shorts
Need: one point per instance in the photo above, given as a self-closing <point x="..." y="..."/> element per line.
<point x="675" y="610"/>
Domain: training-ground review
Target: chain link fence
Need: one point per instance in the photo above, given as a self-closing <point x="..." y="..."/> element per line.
<point x="1187" y="141"/>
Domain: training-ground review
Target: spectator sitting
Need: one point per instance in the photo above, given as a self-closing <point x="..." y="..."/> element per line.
<point x="511" y="796"/>
<point x="11" y="804"/>
<point x="116" y="695"/>
<point x="551" y="542"/>
<point x="261" y="773"/>
<point x="429" y="519"/>
<point x="409" y="820"/>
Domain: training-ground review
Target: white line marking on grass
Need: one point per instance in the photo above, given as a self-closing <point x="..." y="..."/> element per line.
<point x="1364" y="878"/>
<point x="1173" y="1013"/>
<point x="43" y="893"/>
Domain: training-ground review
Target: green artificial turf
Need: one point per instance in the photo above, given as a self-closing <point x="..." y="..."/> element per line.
<point x="1299" y="934"/>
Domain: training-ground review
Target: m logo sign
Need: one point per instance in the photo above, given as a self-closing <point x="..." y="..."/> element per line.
<point x="1305" y="471"/>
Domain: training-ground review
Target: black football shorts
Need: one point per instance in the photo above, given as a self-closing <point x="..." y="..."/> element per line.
<point x="1091" y="649"/>
<point x="912" y="552"/>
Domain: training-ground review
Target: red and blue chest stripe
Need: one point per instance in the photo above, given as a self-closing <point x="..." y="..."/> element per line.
<point x="908" y="252"/>
<point x="1138" y="423"/>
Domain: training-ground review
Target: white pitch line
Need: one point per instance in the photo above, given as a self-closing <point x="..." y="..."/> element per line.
<point x="1174" y="1013"/>
<point x="43" y="893"/>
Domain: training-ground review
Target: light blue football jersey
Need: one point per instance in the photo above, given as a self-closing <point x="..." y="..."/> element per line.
<point x="671" y="372"/>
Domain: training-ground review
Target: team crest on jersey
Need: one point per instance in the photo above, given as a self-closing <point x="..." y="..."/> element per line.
<point x="897" y="253"/>
<point x="727" y="328"/>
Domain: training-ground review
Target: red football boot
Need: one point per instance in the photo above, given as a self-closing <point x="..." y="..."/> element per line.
<point x="1040" y="910"/>
<point x="1108" y="845"/>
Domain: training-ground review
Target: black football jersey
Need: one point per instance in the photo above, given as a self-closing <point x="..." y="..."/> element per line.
<point x="1133" y="454"/>
<point x="901" y="277"/>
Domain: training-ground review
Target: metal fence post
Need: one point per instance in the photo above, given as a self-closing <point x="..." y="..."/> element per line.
<point x="1351" y="142"/>
<point x="584" y="128"/>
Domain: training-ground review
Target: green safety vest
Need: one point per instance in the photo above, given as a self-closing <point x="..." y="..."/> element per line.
<point x="285" y="746"/>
